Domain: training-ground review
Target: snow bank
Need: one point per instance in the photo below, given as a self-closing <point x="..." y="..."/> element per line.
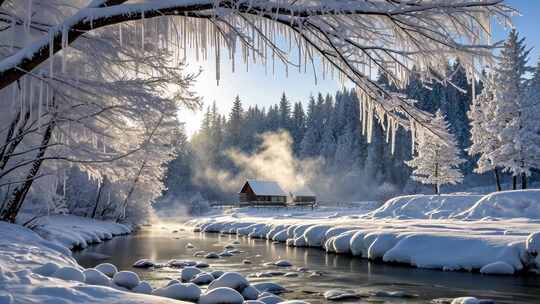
<point x="506" y="205"/>
<point x="426" y="231"/>
<point x="425" y="206"/>
<point x="77" y="232"/>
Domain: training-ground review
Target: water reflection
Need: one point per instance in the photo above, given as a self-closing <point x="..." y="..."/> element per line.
<point x="341" y="271"/>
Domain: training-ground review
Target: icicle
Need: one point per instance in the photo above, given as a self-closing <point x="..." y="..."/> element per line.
<point x="120" y="34"/>
<point x="31" y="98"/>
<point x="28" y="21"/>
<point x="218" y="54"/>
<point x="64" y="183"/>
<point x="142" y="30"/>
<point x="40" y="102"/>
<point x="65" y="34"/>
<point x="51" y="54"/>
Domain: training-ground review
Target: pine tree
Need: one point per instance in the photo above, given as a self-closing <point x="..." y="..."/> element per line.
<point x="284" y="113"/>
<point x="298" y="127"/>
<point x="235" y="123"/>
<point x="436" y="161"/>
<point x="483" y="141"/>
<point x="508" y="121"/>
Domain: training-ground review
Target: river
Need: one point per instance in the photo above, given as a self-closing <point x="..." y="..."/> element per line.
<point x="164" y="242"/>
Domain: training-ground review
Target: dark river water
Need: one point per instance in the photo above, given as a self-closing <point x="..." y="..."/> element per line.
<point x="161" y="244"/>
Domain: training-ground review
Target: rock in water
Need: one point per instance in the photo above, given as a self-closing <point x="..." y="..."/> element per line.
<point x="269" y="287"/>
<point x="283" y="263"/>
<point x="221" y="295"/>
<point x="338" y="295"/>
<point x="250" y="293"/>
<point x="107" y="268"/>
<point x="212" y="255"/>
<point x="271" y="299"/>
<point x="202" y="279"/>
<point x="189" y="273"/>
<point x="127" y="279"/>
<point x="232" y="280"/>
<point x="143" y="263"/>
<point x="179" y="291"/>
<point x="497" y="268"/>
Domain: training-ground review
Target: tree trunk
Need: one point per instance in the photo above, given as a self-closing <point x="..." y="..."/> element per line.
<point x="514" y="182"/>
<point x="13" y="206"/>
<point x="122" y="215"/>
<point x="100" y="190"/>
<point x="436" y="188"/>
<point x="497" y="179"/>
<point x="523" y="181"/>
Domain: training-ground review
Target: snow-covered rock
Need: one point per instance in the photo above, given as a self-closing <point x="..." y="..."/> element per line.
<point x="221" y="295"/>
<point x="143" y="263"/>
<point x="127" y="279"/>
<point x="143" y="287"/>
<point x="338" y="295"/>
<point x="315" y="235"/>
<point x="270" y="299"/>
<point x="250" y="293"/>
<point x="69" y="273"/>
<point x="232" y="280"/>
<point x="179" y="291"/>
<point x="466" y="300"/>
<point x="107" y="268"/>
<point x="202" y="279"/>
<point x="96" y="277"/>
<point x="188" y="273"/>
<point x="270" y="287"/>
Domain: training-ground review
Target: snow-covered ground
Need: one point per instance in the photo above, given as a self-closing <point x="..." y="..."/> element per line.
<point x="40" y="269"/>
<point x="493" y="234"/>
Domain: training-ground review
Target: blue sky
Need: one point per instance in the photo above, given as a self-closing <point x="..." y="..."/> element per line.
<point x="257" y="87"/>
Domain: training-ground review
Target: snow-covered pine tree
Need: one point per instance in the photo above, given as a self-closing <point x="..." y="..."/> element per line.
<point x="436" y="161"/>
<point x="483" y="141"/>
<point x="508" y="122"/>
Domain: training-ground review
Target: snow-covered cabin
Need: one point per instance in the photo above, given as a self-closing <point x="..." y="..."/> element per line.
<point x="258" y="192"/>
<point x="303" y="195"/>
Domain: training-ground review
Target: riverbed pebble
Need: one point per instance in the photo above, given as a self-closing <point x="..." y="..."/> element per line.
<point x="107" y="268"/>
<point x="173" y="281"/>
<point x="190" y="246"/>
<point x="225" y="254"/>
<point x="127" y="279"/>
<point x="291" y="274"/>
<point x="250" y="293"/>
<point x="217" y="273"/>
<point x="179" y="291"/>
<point x="221" y="295"/>
<point x="246" y="261"/>
<point x="202" y="265"/>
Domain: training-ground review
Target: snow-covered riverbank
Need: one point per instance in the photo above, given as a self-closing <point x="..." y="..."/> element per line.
<point x="23" y="254"/>
<point x="493" y="234"/>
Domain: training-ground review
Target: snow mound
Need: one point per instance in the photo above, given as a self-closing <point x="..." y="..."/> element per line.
<point x="232" y="280"/>
<point x="506" y="204"/>
<point x="466" y="300"/>
<point x="424" y="206"/>
<point x="143" y="287"/>
<point x="315" y="235"/>
<point x="69" y="273"/>
<point x="46" y="269"/>
<point x="179" y="291"/>
<point x="127" y="279"/>
<point x="497" y="268"/>
<point x="107" y="268"/>
<point x="221" y="295"/>
<point x="96" y="277"/>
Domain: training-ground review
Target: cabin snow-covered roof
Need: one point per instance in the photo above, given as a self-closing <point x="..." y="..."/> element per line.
<point x="303" y="191"/>
<point x="268" y="188"/>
